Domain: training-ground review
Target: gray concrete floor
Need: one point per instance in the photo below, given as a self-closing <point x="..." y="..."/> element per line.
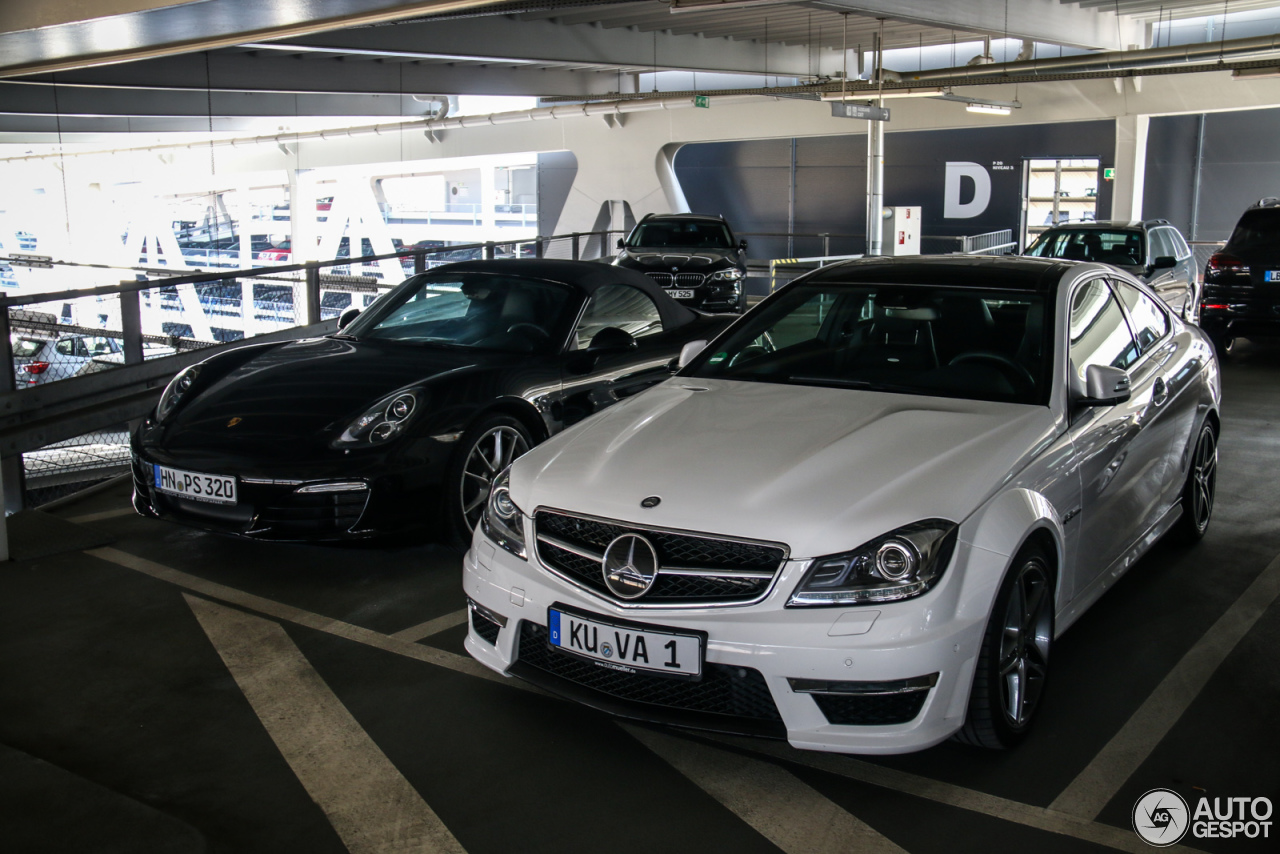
<point x="178" y="691"/>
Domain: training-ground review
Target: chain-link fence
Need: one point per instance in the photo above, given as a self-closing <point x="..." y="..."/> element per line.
<point x="65" y="468"/>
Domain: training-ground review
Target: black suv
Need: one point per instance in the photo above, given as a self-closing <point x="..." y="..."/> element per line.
<point x="1242" y="280"/>
<point x="1153" y="251"/>
<point x="693" y="256"/>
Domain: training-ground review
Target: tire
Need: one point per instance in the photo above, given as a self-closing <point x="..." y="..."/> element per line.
<point x="1013" y="665"/>
<point x="742" y="302"/>
<point x="487" y="447"/>
<point x="1225" y="345"/>
<point x="1199" y="490"/>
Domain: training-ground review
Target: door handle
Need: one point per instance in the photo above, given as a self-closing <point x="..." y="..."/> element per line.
<point x="1159" y="391"/>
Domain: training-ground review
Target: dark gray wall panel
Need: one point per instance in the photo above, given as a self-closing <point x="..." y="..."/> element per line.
<point x="556" y="171"/>
<point x="1241" y="165"/>
<point x="1171" y="157"/>
<point x="749" y="181"/>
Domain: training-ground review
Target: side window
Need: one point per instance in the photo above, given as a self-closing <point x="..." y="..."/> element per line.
<point x="1179" y="244"/>
<point x="622" y="306"/>
<point x="1161" y="244"/>
<point x="66" y="347"/>
<point x="1099" y="333"/>
<point x="1150" y="323"/>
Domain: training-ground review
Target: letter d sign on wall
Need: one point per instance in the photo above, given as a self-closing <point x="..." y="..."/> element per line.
<point x="955" y="190"/>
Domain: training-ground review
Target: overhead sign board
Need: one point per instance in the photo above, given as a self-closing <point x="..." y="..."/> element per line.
<point x="867" y="112"/>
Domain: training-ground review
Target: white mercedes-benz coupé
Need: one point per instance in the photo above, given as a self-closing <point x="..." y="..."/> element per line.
<point x="860" y="517"/>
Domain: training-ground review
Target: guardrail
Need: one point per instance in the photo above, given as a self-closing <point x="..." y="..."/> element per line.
<point x="991" y="243"/>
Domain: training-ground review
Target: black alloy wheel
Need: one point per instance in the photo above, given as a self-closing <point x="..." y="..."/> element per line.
<point x="1013" y="666"/>
<point x="488" y="447"/>
<point x="1200" y="488"/>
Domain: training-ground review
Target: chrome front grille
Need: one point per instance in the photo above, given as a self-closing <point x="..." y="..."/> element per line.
<point x="677" y="280"/>
<point x="694" y="569"/>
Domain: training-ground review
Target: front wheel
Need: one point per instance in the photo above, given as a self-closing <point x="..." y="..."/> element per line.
<point x="488" y="447"/>
<point x="1199" y="490"/>
<point x="1013" y="665"/>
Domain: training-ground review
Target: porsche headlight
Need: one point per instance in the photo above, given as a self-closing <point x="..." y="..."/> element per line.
<point x="383" y="421"/>
<point x="733" y="274"/>
<point x="176" y="391"/>
<point x="502" y="520"/>
<point x="900" y="565"/>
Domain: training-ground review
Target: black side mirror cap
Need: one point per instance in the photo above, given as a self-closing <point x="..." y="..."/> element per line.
<point x="622" y="243"/>
<point x="611" y="339"/>
<point x="1164" y="262"/>
<point x="742" y="244"/>
<point x="344" y="319"/>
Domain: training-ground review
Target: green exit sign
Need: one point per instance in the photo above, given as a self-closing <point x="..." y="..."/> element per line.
<point x="1108" y="174"/>
<point x="701" y="101"/>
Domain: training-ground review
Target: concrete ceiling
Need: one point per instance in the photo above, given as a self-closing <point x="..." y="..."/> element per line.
<point x="166" y="65"/>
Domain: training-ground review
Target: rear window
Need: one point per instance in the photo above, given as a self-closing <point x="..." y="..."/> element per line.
<point x="25" y="348"/>
<point x="1257" y="229"/>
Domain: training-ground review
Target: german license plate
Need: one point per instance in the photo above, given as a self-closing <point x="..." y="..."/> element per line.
<point x="680" y="294"/>
<point x="628" y="647"/>
<point x="1271" y="276"/>
<point x="213" y="488"/>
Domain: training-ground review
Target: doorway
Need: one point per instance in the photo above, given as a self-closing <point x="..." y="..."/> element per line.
<point x="1058" y="191"/>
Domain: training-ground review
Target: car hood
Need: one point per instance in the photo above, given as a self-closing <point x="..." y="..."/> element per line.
<point x="290" y="400"/>
<point x="821" y="470"/>
<point x="692" y="259"/>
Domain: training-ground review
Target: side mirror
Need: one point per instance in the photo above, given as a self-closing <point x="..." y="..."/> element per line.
<point x="1105" y="386"/>
<point x="622" y="243"/>
<point x="344" y="319"/>
<point x="742" y="244"/>
<point x="689" y="350"/>
<point x="1164" y="262"/>
<point x="611" y="339"/>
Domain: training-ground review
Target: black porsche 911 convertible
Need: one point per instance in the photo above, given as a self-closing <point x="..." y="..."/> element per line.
<point x="401" y="419"/>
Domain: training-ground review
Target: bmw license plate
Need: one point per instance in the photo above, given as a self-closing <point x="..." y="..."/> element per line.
<point x="213" y="488"/>
<point x="628" y="647"/>
<point x="680" y="294"/>
<point x="1271" y="276"/>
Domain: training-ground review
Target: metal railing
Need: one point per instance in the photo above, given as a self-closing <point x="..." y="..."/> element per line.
<point x="991" y="243"/>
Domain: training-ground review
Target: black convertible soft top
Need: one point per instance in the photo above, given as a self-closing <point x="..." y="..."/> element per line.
<point x="588" y="275"/>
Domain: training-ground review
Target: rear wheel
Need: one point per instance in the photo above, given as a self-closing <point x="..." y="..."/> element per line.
<point x="1013" y="665"/>
<point x="488" y="447"/>
<point x="1225" y="344"/>
<point x="1200" y="488"/>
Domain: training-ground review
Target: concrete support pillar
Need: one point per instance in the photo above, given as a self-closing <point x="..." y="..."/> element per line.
<point x="1131" y="166"/>
<point x="875" y="187"/>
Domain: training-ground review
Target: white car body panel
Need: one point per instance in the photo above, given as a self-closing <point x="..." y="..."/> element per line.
<point x="826" y="470"/>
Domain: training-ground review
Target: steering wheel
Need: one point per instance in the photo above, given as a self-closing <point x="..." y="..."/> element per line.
<point x="530" y="330"/>
<point x="748" y="353"/>
<point x="1014" y="371"/>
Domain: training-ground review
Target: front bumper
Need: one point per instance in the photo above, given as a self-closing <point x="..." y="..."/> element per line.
<point x="910" y="662"/>
<point x="297" y="504"/>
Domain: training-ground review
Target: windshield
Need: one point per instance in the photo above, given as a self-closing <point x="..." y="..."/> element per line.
<point x="919" y="339"/>
<point x="681" y="234"/>
<point x="1257" y="229"/>
<point x="1123" y="248"/>
<point x="480" y="310"/>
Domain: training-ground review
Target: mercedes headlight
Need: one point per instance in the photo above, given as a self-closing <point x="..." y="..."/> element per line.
<point x="899" y="565"/>
<point x="176" y="391"/>
<point x="502" y="520"/>
<point x="383" y="421"/>
<point x="733" y="274"/>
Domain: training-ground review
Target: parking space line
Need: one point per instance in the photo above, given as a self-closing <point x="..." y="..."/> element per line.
<point x="948" y="794"/>
<point x="359" y="634"/>
<point x="786" y="811"/>
<point x="1099" y="782"/>
<point x="413" y="634"/>
<point x="368" y="801"/>
<point x="105" y="514"/>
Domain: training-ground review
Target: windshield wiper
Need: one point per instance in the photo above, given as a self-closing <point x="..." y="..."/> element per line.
<point x="844" y="382"/>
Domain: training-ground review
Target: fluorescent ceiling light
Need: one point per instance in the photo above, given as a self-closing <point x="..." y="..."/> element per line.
<point x="990" y="109"/>
<point x="871" y="94"/>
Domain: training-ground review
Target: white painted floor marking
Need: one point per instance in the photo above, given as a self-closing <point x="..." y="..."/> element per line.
<point x="105" y="514"/>
<point x="788" y="812"/>
<point x="1099" y="782"/>
<point x="413" y="634"/>
<point x="368" y="801"/>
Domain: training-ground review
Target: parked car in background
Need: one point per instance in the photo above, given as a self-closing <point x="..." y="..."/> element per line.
<point x="401" y="419"/>
<point x="1242" y="280"/>
<point x="278" y="254"/>
<point x="937" y="465"/>
<point x="39" y="360"/>
<point x="693" y="256"/>
<point x="1153" y="251"/>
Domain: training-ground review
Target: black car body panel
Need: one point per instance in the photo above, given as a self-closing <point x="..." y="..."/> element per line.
<point x="1242" y="280"/>
<point x="692" y="254"/>
<point x="271" y="415"/>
